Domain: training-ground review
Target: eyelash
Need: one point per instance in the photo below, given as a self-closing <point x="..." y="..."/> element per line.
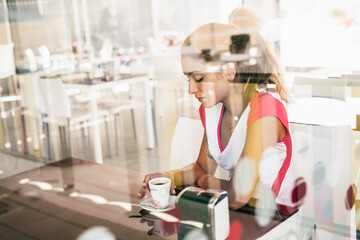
<point x="199" y="80"/>
<point x="196" y="80"/>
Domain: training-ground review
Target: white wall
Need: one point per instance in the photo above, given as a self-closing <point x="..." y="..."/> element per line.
<point x="321" y="33"/>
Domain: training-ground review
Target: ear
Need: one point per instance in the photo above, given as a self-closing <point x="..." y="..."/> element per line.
<point x="229" y="71"/>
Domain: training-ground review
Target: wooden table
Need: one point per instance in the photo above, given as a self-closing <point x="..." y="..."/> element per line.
<point x="62" y="199"/>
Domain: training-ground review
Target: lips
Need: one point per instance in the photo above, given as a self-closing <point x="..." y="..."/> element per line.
<point x="200" y="99"/>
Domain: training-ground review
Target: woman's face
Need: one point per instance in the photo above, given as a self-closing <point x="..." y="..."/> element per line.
<point x="206" y="81"/>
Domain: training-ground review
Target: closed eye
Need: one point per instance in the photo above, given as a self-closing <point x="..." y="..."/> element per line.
<point x="199" y="79"/>
<point x="194" y="75"/>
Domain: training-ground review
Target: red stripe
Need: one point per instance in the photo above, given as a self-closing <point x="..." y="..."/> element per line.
<point x="285" y="166"/>
<point x="262" y="105"/>
<point x="202" y="115"/>
<point x="218" y="129"/>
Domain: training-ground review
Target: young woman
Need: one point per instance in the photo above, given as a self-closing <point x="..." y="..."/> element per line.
<point x="246" y="125"/>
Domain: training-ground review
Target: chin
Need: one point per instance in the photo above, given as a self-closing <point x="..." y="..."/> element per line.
<point x="208" y="104"/>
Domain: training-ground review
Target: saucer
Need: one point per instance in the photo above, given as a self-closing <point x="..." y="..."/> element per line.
<point x="148" y="205"/>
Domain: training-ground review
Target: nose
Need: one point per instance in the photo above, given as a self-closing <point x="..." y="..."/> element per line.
<point x="193" y="87"/>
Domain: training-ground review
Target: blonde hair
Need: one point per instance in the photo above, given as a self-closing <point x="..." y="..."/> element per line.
<point x="246" y="22"/>
<point x="215" y="38"/>
<point x="244" y="18"/>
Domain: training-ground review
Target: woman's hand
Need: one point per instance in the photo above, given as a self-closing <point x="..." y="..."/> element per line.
<point x="145" y="191"/>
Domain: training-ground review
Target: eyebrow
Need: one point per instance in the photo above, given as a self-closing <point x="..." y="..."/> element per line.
<point x="188" y="73"/>
<point x="194" y="72"/>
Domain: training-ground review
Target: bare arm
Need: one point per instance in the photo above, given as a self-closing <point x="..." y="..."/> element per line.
<point x="188" y="175"/>
<point x="205" y="164"/>
<point x="261" y="134"/>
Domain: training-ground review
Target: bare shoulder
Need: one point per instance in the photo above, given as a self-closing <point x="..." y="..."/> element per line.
<point x="270" y="129"/>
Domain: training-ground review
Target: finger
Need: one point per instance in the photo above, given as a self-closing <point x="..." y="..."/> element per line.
<point x="142" y="192"/>
<point x="147" y="193"/>
<point x="173" y="191"/>
<point x="172" y="183"/>
<point x="151" y="176"/>
<point x="149" y="223"/>
<point x="140" y="195"/>
<point x="142" y="220"/>
<point x="146" y="179"/>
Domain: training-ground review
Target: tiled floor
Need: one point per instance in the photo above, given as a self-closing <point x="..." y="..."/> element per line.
<point x="132" y="152"/>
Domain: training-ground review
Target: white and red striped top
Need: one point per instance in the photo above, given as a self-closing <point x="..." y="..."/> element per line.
<point x="261" y="105"/>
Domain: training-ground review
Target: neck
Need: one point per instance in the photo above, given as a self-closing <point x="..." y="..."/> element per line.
<point x="234" y="104"/>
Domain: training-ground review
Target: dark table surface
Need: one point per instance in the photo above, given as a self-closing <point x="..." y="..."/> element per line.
<point x="63" y="199"/>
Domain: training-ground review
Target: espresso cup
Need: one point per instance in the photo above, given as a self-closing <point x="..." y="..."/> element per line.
<point x="160" y="191"/>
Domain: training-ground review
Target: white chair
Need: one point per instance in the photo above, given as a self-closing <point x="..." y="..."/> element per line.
<point x="7" y="63"/>
<point x="30" y="56"/>
<point x="8" y="109"/>
<point x="58" y="111"/>
<point x="45" y="56"/>
<point x="32" y="104"/>
<point x="9" y="118"/>
<point x="115" y="107"/>
<point x="186" y="143"/>
<point x="154" y="47"/>
<point x="7" y="69"/>
<point x="30" y="95"/>
<point x="106" y="50"/>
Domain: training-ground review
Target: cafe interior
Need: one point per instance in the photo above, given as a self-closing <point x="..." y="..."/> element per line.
<point x="93" y="97"/>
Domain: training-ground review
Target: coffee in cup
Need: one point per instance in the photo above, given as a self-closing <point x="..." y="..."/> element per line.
<point x="160" y="191"/>
<point x="160" y="183"/>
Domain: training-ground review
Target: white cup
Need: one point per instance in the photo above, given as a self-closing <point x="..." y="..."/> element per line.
<point x="160" y="191"/>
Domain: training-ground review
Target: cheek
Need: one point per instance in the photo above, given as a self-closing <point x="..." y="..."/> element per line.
<point x="208" y="88"/>
<point x="222" y="90"/>
<point x="210" y="93"/>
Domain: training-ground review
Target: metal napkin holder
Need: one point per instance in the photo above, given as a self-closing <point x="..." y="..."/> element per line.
<point x="204" y="212"/>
